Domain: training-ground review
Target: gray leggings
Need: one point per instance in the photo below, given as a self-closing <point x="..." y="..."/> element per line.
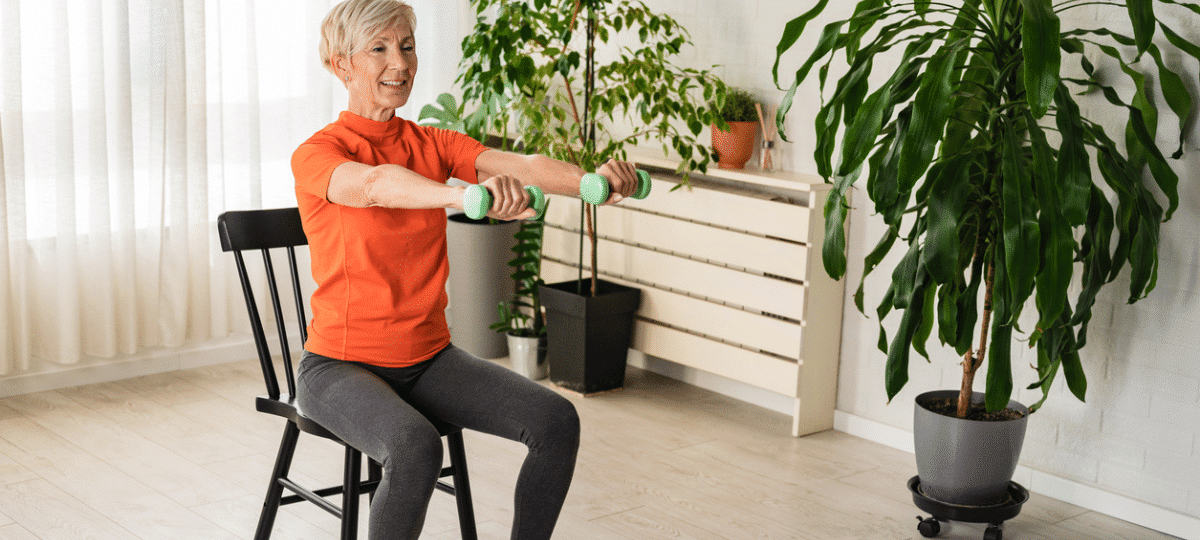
<point x="381" y="412"/>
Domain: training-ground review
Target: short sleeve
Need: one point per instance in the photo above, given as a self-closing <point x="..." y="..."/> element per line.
<point x="312" y="166"/>
<point x="459" y="152"/>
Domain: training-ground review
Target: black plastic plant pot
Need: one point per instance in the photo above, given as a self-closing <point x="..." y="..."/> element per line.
<point x="589" y="336"/>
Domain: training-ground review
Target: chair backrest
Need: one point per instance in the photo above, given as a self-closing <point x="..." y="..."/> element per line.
<point x="264" y="230"/>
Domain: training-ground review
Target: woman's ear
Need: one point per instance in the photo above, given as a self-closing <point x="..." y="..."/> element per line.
<point x="341" y="67"/>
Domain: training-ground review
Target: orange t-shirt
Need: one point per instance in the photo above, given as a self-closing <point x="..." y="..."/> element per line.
<point x="380" y="272"/>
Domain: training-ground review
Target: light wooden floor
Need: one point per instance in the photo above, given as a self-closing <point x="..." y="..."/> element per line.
<point x="184" y="456"/>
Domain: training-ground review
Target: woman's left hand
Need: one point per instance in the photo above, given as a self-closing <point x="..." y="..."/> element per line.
<point x="509" y="199"/>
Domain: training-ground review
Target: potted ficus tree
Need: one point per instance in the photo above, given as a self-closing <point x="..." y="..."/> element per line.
<point x="979" y="161"/>
<point x="538" y="60"/>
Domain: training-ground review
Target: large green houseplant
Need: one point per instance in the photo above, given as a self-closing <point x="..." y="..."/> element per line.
<point x="580" y="80"/>
<point x="979" y="161"/>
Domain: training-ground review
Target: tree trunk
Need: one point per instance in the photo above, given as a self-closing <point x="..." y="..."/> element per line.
<point x="973" y="359"/>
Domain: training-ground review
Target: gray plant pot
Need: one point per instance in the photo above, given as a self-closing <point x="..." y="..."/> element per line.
<point x="528" y="356"/>
<point x="966" y="462"/>
<point x="479" y="280"/>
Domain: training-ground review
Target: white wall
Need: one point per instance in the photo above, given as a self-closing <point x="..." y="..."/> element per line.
<point x="1138" y="435"/>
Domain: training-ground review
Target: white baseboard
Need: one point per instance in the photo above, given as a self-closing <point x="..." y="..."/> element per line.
<point x="735" y="389"/>
<point x="95" y="371"/>
<point x="1069" y="491"/>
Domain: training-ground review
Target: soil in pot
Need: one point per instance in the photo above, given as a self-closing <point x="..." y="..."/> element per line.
<point x="949" y="407"/>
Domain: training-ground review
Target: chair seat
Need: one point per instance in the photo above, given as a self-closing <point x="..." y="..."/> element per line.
<point x="286" y="407"/>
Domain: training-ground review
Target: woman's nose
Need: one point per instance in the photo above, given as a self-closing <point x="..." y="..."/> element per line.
<point x="397" y="59"/>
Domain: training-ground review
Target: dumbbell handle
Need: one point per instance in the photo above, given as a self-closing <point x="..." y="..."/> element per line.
<point x="477" y="200"/>
<point x="595" y="189"/>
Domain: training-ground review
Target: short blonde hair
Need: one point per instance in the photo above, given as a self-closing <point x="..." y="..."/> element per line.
<point x="351" y="24"/>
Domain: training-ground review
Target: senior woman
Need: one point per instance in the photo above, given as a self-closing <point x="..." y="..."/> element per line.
<point x="372" y="193"/>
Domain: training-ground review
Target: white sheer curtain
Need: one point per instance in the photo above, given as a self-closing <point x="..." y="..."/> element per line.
<point x="126" y="127"/>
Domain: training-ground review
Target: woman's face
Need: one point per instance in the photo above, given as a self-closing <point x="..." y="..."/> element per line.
<point x="381" y="74"/>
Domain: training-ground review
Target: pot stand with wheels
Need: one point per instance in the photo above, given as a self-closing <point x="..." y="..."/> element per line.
<point x="994" y="515"/>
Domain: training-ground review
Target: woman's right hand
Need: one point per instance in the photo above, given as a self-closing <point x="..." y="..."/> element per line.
<point x="622" y="176"/>
<point x="509" y="199"/>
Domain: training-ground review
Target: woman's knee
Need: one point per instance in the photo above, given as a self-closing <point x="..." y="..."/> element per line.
<point x="557" y="425"/>
<point x="415" y="445"/>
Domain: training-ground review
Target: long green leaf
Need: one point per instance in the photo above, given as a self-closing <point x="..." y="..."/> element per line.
<point x="872" y="260"/>
<point x="1183" y="44"/>
<point x="967" y="308"/>
<point x="930" y="110"/>
<point x="1049" y="370"/>
<point x="1058" y="244"/>
<point x="1076" y="378"/>
<point x="1040" y="35"/>
<point x="1021" y="235"/>
<point x="1175" y="92"/>
<point x="884" y="188"/>
<point x="862" y="132"/>
<point x="1141" y="14"/>
<point x="904" y="277"/>
<point x="928" y="315"/>
<point x="999" y="374"/>
<point x="946" y="201"/>
<point x="791" y="33"/>
<point x="1094" y="254"/>
<point x="833" y="252"/>
<point x="1074" y="171"/>
<point x="825" y="44"/>
<point x="896" y="369"/>
<point x="947" y="312"/>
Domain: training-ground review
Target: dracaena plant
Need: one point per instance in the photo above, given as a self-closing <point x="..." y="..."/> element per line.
<point x="532" y="65"/>
<point x="1003" y="194"/>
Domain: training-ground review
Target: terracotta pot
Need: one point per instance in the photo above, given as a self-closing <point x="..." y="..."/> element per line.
<point x="734" y="147"/>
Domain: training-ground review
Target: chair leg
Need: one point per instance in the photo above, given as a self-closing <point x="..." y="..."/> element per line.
<point x="462" y="486"/>
<point x="351" y="482"/>
<point x="283" y="462"/>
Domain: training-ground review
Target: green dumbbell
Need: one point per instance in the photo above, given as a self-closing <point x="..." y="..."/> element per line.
<point x="594" y="188"/>
<point x="478" y="200"/>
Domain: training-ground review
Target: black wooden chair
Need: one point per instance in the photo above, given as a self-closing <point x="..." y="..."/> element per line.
<point x="265" y="230"/>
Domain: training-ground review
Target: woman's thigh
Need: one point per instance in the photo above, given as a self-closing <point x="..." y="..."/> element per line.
<point x="479" y="395"/>
<point x="362" y="408"/>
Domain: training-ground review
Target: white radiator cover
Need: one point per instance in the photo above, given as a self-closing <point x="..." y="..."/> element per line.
<point x="731" y="278"/>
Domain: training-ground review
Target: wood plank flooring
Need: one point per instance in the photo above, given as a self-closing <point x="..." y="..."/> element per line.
<point x="183" y="456"/>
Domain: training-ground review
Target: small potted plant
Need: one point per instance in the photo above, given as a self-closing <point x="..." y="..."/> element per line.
<point x="734" y="135"/>
<point x="521" y="319"/>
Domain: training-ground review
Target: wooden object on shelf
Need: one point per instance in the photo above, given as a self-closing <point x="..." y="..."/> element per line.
<point x="731" y="278"/>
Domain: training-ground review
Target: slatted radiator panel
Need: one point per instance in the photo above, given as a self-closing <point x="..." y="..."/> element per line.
<point x="726" y="276"/>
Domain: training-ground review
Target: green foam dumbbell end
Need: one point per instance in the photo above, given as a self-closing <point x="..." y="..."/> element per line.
<point x="539" y="200"/>
<point x="593" y="188"/>
<point x="643" y="189"/>
<point x="477" y="201"/>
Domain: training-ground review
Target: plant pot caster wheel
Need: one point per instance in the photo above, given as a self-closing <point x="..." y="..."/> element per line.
<point x="928" y="527"/>
<point x="993" y="532"/>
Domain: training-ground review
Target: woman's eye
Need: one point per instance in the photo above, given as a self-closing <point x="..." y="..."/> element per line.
<point x="409" y="48"/>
